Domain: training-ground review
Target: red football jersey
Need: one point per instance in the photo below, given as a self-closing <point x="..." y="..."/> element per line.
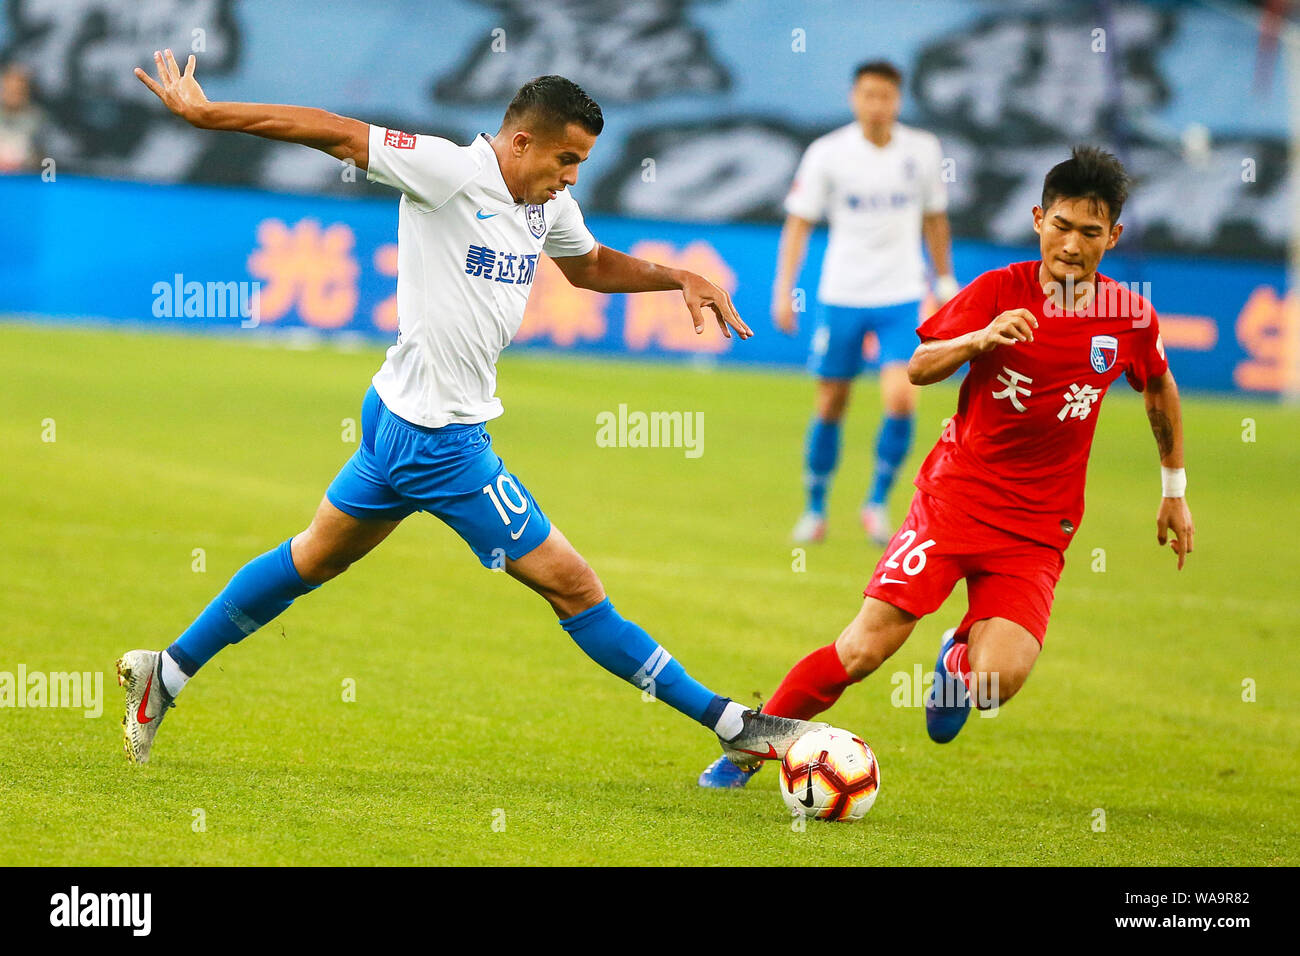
<point x="1015" y="455"/>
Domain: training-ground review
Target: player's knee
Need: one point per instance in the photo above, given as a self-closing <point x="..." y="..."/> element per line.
<point x="576" y="589"/>
<point x="321" y="569"/>
<point x="858" y="653"/>
<point x="316" y="564"/>
<point x="898" y="395"/>
<point x="901" y="404"/>
<point x="992" y="688"/>
<point x="832" y="400"/>
<point x="831" y="411"/>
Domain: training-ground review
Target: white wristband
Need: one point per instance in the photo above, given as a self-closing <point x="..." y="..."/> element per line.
<point x="945" y="287"/>
<point x="1173" y="482"/>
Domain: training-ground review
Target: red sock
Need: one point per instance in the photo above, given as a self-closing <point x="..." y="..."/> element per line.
<point x="957" y="664"/>
<point x="812" y="686"/>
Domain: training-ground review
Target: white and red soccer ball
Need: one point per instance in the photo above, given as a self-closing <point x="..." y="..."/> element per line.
<point x="830" y="774"/>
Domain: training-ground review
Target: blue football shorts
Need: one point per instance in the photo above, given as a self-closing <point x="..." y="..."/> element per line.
<point x="450" y="472"/>
<point x="838" y="339"/>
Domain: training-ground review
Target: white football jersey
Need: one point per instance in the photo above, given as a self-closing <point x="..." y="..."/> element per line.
<point x="466" y="259"/>
<point x="872" y="198"/>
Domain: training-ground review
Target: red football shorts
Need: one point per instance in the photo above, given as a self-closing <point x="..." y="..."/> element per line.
<point x="938" y="544"/>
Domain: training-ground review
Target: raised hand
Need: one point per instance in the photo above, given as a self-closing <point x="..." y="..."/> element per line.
<point x="783" y="315"/>
<point x="180" y="92"/>
<point x="1008" y="328"/>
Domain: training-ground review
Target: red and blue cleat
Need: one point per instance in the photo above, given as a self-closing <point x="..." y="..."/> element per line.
<point x="947" y="705"/>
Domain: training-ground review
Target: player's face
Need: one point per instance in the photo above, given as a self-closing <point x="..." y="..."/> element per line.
<point x="875" y="101"/>
<point x="550" y="163"/>
<point x="1073" y="236"/>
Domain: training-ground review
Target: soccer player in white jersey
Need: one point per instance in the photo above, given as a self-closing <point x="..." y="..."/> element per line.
<point x="880" y="187"/>
<point x="472" y="222"/>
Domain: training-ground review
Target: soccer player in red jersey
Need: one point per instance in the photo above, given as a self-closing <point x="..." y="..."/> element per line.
<point x="1001" y="494"/>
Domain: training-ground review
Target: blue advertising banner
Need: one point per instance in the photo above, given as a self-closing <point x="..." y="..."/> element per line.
<point x="721" y="97"/>
<point x="227" y="259"/>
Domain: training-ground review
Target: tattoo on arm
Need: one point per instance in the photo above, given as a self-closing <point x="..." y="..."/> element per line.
<point x="1163" y="429"/>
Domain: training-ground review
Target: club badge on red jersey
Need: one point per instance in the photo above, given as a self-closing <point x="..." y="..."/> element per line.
<point x="1104" y="351"/>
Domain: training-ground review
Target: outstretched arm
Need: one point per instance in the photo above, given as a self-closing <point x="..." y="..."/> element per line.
<point x="1165" y="412"/>
<point x="340" y="136"/>
<point x="606" y="270"/>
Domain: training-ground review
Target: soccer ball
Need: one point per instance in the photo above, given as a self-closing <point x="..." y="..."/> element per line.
<point x="830" y="774"/>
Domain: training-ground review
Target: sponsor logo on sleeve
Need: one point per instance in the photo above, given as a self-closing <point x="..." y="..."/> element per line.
<point x="399" y="140"/>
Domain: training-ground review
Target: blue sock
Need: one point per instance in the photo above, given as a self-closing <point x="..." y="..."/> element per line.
<point x="821" y="453"/>
<point x="626" y="651"/>
<point x="258" y="592"/>
<point x="892" y="444"/>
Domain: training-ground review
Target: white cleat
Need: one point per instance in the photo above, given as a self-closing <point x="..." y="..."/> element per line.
<point x="147" y="701"/>
<point x="809" y="529"/>
<point x="875" y="522"/>
<point x="765" y="737"/>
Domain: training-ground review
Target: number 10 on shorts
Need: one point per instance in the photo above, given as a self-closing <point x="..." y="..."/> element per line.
<point x="506" y="492"/>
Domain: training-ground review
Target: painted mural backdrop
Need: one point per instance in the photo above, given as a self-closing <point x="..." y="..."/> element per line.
<point x="709" y="104"/>
<point x="722" y="95"/>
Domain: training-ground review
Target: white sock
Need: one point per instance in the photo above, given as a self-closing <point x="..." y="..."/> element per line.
<point x="173" y="678"/>
<point x="731" y="722"/>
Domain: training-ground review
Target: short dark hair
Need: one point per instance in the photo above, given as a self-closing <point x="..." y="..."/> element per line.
<point x="881" y="68"/>
<point x="1089" y="173"/>
<point x="555" y="102"/>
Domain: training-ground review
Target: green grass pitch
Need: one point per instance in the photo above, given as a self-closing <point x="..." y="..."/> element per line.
<point x="481" y="735"/>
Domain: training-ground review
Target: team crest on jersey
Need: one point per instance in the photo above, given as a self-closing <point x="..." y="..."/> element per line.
<point x="536" y="220"/>
<point x="1104" y="351"/>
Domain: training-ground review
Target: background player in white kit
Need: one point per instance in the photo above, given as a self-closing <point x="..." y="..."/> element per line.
<point x="473" y="221"/>
<point x="879" y="185"/>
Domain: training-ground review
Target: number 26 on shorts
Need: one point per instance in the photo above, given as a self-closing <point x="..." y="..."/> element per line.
<point x="913" y="562"/>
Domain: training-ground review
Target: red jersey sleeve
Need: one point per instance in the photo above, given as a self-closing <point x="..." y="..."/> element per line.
<point x="972" y="308"/>
<point x="1149" y="362"/>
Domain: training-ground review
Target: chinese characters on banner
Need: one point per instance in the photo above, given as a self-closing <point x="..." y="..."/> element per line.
<point x="315" y="272"/>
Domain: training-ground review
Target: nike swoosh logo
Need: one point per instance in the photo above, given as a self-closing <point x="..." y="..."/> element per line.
<point x="770" y="755"/>
<point x="886" y="579"/>
<point x="139" y="714"/>
<point x="807" y="798"/>
<point x="514" y="535"/>
<point x="481" y="215"/>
